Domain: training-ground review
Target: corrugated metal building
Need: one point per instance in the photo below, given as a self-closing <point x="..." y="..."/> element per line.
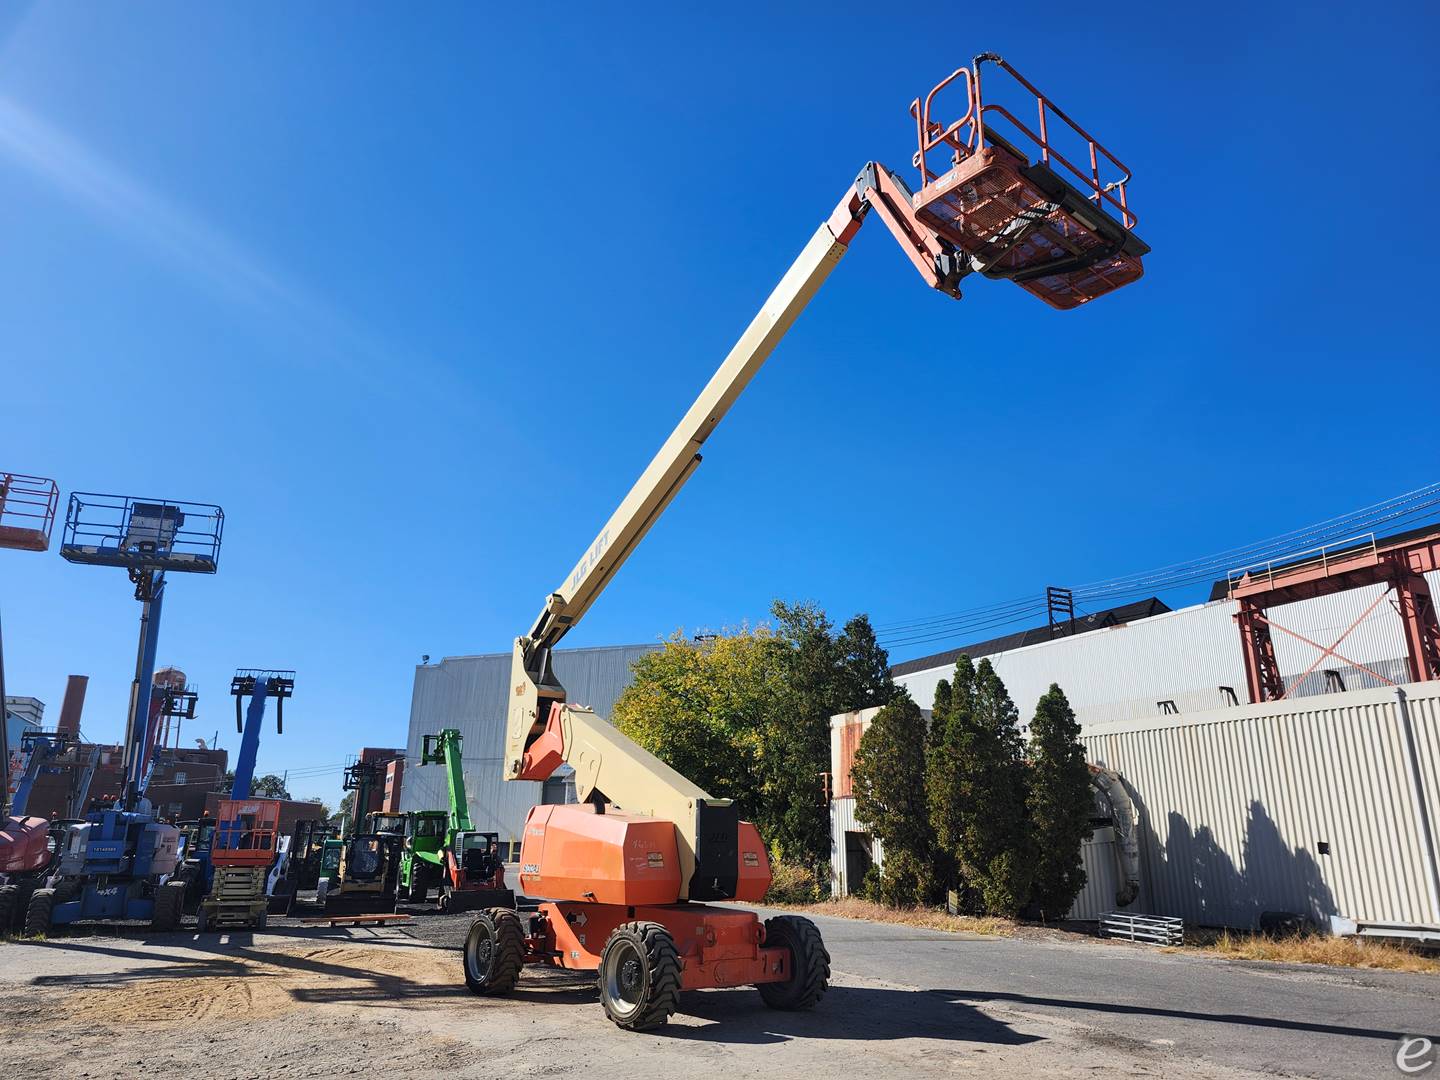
<point x="471" y="694"/>
<point x="1325" y="804"/>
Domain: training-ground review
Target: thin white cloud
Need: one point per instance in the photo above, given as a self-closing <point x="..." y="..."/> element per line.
<point x="131" y="207"/>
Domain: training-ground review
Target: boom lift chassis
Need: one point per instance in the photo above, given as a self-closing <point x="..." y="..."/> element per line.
<point x="627" y="874"/>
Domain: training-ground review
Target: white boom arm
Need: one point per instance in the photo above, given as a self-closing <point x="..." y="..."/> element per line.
<point x="542" y="730"/>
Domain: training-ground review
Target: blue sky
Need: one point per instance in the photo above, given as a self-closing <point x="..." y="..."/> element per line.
<point x="415" y="294"/>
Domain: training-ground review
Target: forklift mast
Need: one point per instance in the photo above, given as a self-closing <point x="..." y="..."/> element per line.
<point x="260" y="685"/>
<point x="361" y="778"/>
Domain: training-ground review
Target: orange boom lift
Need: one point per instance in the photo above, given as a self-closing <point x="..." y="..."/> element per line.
<point x="629" y="875"/>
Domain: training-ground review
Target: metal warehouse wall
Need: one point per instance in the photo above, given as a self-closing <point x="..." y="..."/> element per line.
<point x="471" y="693"/>
<point x="1119" y="673"/>
<point x="1234" y="806"/>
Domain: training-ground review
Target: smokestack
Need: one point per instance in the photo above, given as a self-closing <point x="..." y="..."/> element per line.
<point x="69" y="723"/>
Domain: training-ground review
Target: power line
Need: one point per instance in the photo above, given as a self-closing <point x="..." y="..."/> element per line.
<point x="1409" y="508"/>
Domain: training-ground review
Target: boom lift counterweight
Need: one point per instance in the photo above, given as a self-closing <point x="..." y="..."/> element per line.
<point x="626" y="873"/>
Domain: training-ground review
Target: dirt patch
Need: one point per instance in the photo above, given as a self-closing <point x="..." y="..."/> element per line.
<point x="267" y="985"/>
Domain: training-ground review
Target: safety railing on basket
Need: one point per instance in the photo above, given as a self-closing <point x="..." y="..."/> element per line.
<point x="968" y="134"/>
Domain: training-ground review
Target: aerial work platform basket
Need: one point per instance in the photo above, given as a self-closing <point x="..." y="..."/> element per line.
<point x="142" y="534"/>
<point x="245" y="832"/>
<point x="27" y="511"/>
<point x="1012" y="199"/>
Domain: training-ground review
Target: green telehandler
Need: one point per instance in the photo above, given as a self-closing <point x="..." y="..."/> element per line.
<point x="443" y="852"/>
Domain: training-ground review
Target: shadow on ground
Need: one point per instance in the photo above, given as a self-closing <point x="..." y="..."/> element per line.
<point x="852" y="1013"/>
<point x="1116" y="1009"/>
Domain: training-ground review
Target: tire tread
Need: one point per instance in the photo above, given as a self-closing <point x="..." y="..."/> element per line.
<point x="509" y="955"/>
<point x="810" y="973"/>
<point x="663" y="963"/>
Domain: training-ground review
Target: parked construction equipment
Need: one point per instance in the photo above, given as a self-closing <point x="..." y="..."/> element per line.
<point x="29" y="845"/>
<point x="27" y="516"/>
<point x="369" y="862"/>
<point x="247" y="830"/>
<point x="311" y="852"/>
<point x="112" y="864"/>
<point x="443" y="851"/>
<point x="627" y="874"/>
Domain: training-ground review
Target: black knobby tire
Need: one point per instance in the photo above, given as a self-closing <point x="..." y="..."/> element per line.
<point x="809" y="967"/>
<point x="169" y="904"/>
<point x="37" y="912"/>
<point x="23" y="891"/>
<point x="494" y="952"/>
<point x="639" y="977"/>
<point x="9" y="903"/>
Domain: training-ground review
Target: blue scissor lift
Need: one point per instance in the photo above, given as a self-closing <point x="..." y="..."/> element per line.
<point x="112" y="863"/>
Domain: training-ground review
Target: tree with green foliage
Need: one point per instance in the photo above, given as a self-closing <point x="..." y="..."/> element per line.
<point x="889" y="783"/>
<point x="268" y="786"/>
<point x="825" y="674"/>
<point x="747" y="716"/>
<point x="346" y="811"/>
<point x="706" y="708"/>
<point x="976" y="792"/>
<point x="1060" y="803"/>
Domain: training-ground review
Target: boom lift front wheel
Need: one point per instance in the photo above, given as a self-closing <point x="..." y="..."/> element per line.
<point x="640" y="976"/>
<point x="494" y="952"/>
<point x="810" y="967"/>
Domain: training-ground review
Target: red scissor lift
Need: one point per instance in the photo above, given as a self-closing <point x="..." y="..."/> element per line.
<point x="1062" y="231"/>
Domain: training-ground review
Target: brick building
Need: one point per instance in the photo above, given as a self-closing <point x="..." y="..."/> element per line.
<point x="385" y="795"/>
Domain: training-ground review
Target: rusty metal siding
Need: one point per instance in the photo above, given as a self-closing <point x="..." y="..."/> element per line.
<point x="471" y="693"/>
<point x="1234" y="806"/>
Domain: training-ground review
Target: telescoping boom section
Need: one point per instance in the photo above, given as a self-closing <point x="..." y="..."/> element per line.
<point x="624" y="870"/>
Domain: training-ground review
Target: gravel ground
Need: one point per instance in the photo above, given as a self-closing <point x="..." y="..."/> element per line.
<point x="307" y="1002"/>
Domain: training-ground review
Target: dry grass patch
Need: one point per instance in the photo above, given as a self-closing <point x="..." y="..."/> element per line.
<point x="1317" y="949"/>
<point x="926" y="918"/>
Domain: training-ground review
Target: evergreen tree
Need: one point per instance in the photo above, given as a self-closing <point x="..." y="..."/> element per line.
<point x="998" y="849"/>
<point x="825" y="674"/>
<point x="1060" y="803"/>
<point x="948" y="781"/>
<point x="864" y="668"/>
<point x="938" y="712"/>
<point x="798" y="745"/>
<point x="975" y="789"/>
<point x="889" y="784"/>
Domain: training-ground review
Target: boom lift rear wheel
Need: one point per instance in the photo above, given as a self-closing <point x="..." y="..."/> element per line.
<point x="640" y="976"/>
<point x="37" y="912"/>
<point x="810" y="971"/>
<point x="494" y="951"/>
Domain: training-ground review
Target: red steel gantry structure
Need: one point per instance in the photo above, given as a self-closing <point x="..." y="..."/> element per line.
<point x="1400" y="563"/>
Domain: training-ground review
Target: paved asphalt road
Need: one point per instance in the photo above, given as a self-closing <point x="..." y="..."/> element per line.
<point x="1286" y="1019"/>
